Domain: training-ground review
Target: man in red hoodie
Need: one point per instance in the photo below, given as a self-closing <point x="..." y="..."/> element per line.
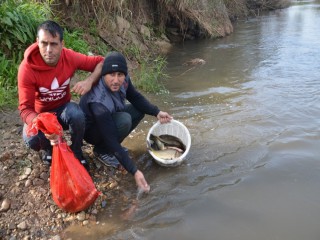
<point x="44" y="86"/>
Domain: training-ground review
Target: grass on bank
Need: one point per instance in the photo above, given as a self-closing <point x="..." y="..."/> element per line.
<point x="150" y="75"/>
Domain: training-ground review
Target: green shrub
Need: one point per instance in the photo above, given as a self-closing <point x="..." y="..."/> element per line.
<point x="9" y="70"/>
<point x="150" y="74"/>
<point x="8" y="97"/>
<point x="75" y="41"/>
<point x="18" y="21"/>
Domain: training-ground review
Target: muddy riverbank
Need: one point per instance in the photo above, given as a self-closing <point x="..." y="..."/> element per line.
<point x="27" y="208"/>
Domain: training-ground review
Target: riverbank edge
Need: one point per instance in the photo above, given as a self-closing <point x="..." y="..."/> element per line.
<point x="27" y="210"/>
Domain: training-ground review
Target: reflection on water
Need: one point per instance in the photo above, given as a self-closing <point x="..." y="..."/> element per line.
<point x="253" y="112"/>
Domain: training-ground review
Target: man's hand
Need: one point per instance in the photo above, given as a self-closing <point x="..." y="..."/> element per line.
<point x="141" y="181"/>
<point x="164" y="117"/>
<point x="82" y="87"/>
<point x="53" y="138"/>
<point x="85" y="86"/>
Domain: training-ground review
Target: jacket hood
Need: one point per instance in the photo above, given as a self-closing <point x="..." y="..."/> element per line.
<point x="33" y="58"/>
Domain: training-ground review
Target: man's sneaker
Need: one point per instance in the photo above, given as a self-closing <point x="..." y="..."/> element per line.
<point x="85" y="163"/>
<point x="107" y="159"/>
<point x="46" y="156"/>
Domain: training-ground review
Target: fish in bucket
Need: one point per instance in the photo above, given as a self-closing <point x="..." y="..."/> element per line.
<point x="169" y="143"/>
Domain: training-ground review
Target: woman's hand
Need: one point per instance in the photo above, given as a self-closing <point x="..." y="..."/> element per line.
<point x="164" y="117"/>
<point x="141" y="181"/>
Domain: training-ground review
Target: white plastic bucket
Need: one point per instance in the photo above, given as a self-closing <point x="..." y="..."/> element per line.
<point x="174" y="128"/>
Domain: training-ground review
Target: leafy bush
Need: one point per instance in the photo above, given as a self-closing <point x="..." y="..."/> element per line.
<point x="18" y="21"/>
<point x="74" y="40"/>
<point x="9" y="70"/>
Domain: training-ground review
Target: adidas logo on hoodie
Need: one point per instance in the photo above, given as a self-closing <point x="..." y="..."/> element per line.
<point x="55" y="93"/>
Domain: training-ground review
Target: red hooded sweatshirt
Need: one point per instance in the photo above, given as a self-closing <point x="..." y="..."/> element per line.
<point x="43" y="88"/>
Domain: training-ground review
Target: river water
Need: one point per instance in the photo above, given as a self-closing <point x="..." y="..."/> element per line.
<point x="253" y="111"/>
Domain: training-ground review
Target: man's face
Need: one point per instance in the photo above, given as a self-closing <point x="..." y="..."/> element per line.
<point x="114" y="80"/>
<point x="50" y="47"/>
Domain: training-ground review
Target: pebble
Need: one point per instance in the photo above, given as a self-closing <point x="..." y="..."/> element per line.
<point x="6" y="135"/>
<point x="92" y="218"/>
<point x="22" y="177"/>
<point x="5" y="156"/>
<point x="69" y="219"/>
<point x="12" y="147"/>
<point x="36" y="172"/>
<point x="30" y="205"/>
<point x="94" y="212"/>
<point x="85" y="222"/>
<point x="5" y="205"/>
<point x="81" y="216"/>
<point x="34" y="158"/>
<point x="56" y="237"/>
<point x="27" y="183"/>
<point x="44" y="176"/>
<point x="15" y="190"/>
<point x="27" y="171"/>
<point x="22" y="225"/>
<point x="18" y="154"/>
<point x="113" y="185"/>
<point x="11" y="226"/>
<point x="52" y="208"/>
<point x="37" y="182"/>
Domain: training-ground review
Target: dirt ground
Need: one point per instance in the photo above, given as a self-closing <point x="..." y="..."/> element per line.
<point x="27" y="209"/>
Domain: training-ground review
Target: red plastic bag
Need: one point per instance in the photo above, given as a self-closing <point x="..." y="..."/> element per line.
<point x="71" y="185"/>
<point x="45" y="122"/>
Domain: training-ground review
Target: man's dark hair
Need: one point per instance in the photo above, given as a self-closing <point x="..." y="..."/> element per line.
<point x="52" y="27"/>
